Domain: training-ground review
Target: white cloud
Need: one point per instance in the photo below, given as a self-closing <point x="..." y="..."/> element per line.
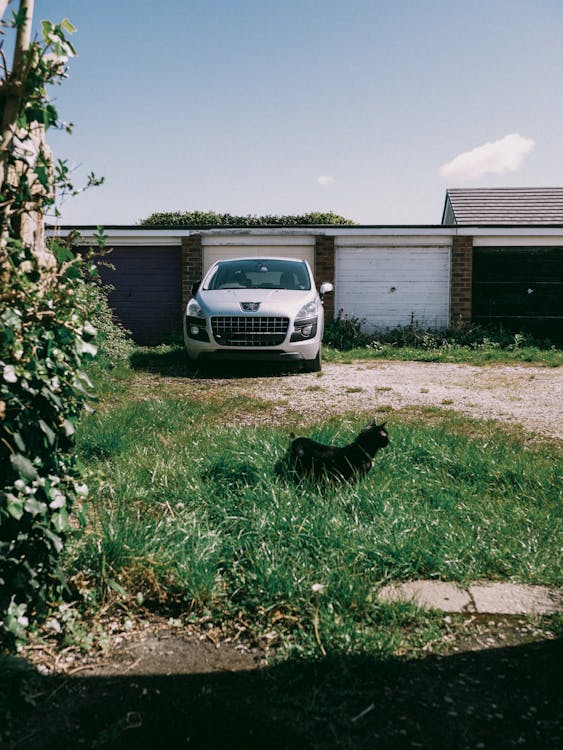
<point x="496" y="157"/>
<point x="324" y="180"/>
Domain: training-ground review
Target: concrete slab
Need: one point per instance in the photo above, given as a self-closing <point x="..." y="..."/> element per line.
<point x="448" y="597"/>
<point x="480" y="598"/>
<point x="515" y="599"/>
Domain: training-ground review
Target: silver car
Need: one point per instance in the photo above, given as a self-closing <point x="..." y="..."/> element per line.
<point x="257" y="309"/>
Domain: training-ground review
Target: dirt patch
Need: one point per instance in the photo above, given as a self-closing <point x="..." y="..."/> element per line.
<point x="486" y="689"/>
<point x="519" y="395"/>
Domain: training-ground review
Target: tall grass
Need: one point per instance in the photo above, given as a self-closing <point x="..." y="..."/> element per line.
<point x="188" y="511"/>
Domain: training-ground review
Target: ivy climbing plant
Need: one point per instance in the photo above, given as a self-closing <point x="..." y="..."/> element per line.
<point x="45" y="334"/>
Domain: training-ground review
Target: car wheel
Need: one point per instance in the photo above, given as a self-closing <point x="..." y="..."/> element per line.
<point x="313" y="365"/>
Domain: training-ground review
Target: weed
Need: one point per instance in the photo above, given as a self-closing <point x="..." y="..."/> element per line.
<point x="470" y="343"/>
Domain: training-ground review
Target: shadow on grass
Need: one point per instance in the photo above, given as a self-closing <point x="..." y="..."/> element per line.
<point x="502" y="698"/>
<point x="173" y="362"/>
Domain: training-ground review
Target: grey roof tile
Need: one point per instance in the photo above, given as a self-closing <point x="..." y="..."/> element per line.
<point x="535" y="205"/>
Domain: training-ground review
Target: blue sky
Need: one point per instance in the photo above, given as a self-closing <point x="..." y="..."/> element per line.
<point x="261" y="106"/>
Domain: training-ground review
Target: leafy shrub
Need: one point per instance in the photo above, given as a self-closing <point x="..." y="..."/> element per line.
<point x="213" y="219"/>
<point x="346" y="333"/>
<point x="113" y="340"/>
<point x="46" y="336"/>
<point x="45" y="339"/>
<point x="470" y="335"/>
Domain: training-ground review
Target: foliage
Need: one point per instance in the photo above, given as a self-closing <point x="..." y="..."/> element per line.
<point x="213" y="219"/>
<point x="472" y="335"/>
<point x="468" y="342"/>
<point x="113" y="340"/>
<point x="345" y="333"/>
<point x="45" y="337"/>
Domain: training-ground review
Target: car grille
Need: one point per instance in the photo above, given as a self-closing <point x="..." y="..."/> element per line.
<point x="249" y="330"/>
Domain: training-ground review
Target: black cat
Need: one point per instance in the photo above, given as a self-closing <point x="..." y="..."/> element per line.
<point x="307" y="458"/>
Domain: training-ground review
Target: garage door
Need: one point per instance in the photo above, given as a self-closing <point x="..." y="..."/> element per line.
<point x="214" y="250"/>
<point x="389" y="286"/>
<point x="147" y="297"/>
<point x="519" y="287"/>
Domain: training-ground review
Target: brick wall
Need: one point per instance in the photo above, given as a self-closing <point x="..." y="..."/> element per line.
<point x="192" y="265"/>
<point x="324" y="270"/>
<point x="461" y="281"/>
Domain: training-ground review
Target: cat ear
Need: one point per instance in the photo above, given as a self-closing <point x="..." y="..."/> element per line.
<point x="382" y="424"/>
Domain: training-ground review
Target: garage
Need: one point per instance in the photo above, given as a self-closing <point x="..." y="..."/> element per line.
<point x="389" y="286"/>
<point x="147" y="294"/>
<point x="520" y="288"/>
<point x="228" y="246"/>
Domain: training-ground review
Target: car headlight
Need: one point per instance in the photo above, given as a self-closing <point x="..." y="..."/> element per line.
<point x="307" y="311"/>
<point x="195" y="324"/>
<point x="194" y="309"/>
<point x="306" y="322"/>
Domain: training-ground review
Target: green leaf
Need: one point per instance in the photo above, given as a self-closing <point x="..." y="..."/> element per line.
<point x="18" y="440"/>
<point x="68" y="427"/>
<point x="14" y="506"/>
<point x="19" y="17"/>
<point x="10" y="374"/>
<point x="62" y="254"/>
<point x="46" y="30"/>
<point x="116" y="587"/>
<point x="68" y="26"/>
<point x="51" y="436"/>
<point x="55" y="540"/>
<point x="87" y="348"/>
<point x="23" y="466"/>
<point x="35" y="507"/>
<point x="60" y="521"/>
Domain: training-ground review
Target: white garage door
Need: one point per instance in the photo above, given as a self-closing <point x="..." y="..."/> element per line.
<point x="389" y="286"/>
<point x="218" y="248"/>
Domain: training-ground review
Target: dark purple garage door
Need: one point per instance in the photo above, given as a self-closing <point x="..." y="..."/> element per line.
<point x="147" y="297"/>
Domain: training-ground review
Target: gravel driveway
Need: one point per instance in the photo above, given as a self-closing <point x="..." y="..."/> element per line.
<point x="530" y="396"/>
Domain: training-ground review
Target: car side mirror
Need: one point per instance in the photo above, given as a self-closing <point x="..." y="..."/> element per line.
<point x="195" y="287"/>
<point x="326" y="287"/>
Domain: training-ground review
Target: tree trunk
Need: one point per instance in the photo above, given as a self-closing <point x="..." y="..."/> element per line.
<point x="29" y="223"/>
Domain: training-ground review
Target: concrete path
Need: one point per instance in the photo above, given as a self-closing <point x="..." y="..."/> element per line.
<point x="480" y="598"/>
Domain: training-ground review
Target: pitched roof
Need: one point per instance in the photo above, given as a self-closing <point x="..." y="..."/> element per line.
<point x="504" y="206"/>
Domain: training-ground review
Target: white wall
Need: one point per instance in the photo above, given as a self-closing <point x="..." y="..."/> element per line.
<point x="389" y="280"/>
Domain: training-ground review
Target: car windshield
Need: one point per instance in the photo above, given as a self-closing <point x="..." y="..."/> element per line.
<point x="253" y="273"/>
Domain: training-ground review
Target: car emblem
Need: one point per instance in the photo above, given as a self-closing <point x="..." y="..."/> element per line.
<point x="249" y="306"/>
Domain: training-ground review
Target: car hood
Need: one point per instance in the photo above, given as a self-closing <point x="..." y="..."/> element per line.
<point x="270" y="301"/>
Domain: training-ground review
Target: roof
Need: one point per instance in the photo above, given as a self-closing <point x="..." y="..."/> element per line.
<point x="492" y="206"/>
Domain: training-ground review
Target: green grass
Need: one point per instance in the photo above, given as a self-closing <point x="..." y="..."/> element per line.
<point x="186" y="512"/>
<point x="452" y="353"/>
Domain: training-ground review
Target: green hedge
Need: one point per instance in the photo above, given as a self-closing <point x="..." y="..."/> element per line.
<point x="213" y="219"/>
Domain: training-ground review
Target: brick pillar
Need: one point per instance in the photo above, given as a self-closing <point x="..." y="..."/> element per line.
<point x="461" y="280"/>
<point x="192" y="265"/>
<point x="324" y="270"/>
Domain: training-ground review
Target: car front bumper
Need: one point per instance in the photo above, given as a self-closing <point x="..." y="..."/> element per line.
<point x="288" y="350"/>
